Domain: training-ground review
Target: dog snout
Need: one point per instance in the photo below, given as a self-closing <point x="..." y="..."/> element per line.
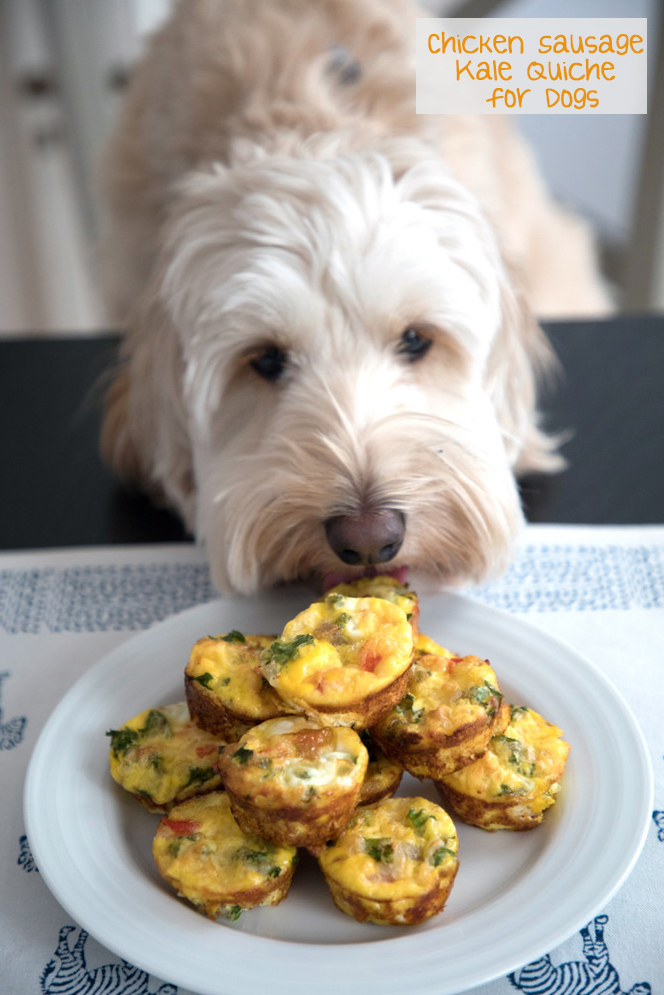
<point x="373" y="536"/>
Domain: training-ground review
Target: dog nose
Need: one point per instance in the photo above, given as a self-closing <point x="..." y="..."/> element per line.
<point x="370" y="537"/>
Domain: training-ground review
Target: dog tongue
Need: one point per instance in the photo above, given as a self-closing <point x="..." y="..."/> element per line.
<point x="334" y="578"/>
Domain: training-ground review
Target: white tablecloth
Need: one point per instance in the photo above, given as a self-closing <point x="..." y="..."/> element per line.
<point x="600" y="589"/>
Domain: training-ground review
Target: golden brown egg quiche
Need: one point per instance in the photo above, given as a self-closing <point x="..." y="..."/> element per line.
<point x="451" y="709"/>
<point x="162" y="758"/>
<point x="225" y="688"/>
<point x="202" y="852"/>
<point x="394" y="864"/>
<point x="342" y="661"/>
<point x="387" y="588"/>
<point x="516" y="780"/>
<point x="293" y="782"/>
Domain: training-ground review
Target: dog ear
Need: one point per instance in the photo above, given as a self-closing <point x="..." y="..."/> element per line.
<point x="144" y="434"/>
<point x="521" y="357"/>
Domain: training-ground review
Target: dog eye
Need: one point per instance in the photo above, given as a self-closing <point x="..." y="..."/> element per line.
<point x="413" y="345"/>
<point x="270" y="363"/>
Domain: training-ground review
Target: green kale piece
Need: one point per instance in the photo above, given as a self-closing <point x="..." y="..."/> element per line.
<point x="439" y="855"/>
<point x="380" y="849"/>
<point x="122" y="740"/>
<point x="407" y="711"/>
<point x="252" y="856"/>
<point x="199" y="775"/>
<point x="204" y="679"/>
<point x="485" y="695"/>
<point x="242" y="755"/>
<point x="517" y="755"/>
<point x="231" y="637"/>
<point x="418" y="819"/>
<point x="156" y="724"/>
<point x="282" y="653"/>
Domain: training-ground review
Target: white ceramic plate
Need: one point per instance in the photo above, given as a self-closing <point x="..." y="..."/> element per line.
<point x="517" y="895"/>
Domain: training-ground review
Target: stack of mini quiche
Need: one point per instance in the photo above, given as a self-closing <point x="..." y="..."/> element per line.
<point x="300" y="741"/>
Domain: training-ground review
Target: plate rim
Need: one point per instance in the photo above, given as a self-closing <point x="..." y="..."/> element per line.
<point x="352" y="951"/>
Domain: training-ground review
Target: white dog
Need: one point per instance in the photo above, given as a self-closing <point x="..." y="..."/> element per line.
<point x="327" y="367"/>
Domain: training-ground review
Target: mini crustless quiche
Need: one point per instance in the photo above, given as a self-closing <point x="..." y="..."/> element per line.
<point x="202" y="852"/>
<point x="162" y="758"/>
<point x="395" y="863"/>
<point x="383" y="587"/>
<point x="342" y="661"/>
<point x="451" y="709"/>
<point x="516" y="780"/>
<point x="225" y="689"/>
<point x="293" y="782"/>
<point x="382" y="778"/>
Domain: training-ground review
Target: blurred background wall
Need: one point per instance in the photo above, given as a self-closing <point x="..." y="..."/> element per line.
<point x="64" y="63"/>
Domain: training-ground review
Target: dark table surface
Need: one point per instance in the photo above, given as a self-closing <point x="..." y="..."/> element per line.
<point x="56" y="492"/>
